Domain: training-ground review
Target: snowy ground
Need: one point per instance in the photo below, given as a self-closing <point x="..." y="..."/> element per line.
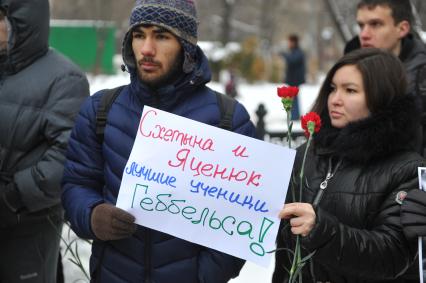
<point x="250" y="96"/>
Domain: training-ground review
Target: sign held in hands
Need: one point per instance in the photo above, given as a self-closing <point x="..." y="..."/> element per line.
<point x="206" y="185"/>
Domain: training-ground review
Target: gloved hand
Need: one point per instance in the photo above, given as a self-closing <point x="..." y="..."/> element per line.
<point x="413" y="214"/>
<point x="112" y="223"/>
<point x="10" y="204"/>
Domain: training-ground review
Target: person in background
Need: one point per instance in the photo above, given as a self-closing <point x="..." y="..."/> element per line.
<point x="295" y="70"/>
<point x="40" y="94"/>
<point x="168" y="71"/>
<point x="387" y="24"/>
<point x="231" y="84"/>
<point x="357" y="170"/>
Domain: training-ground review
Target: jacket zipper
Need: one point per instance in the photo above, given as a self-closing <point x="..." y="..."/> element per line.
<point x="324" y="184"/>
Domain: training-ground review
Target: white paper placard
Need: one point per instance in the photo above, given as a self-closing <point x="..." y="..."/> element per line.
<point x="206" y="185"/>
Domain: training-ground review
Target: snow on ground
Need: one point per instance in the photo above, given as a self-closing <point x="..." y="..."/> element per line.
<point x="250" y="95"/>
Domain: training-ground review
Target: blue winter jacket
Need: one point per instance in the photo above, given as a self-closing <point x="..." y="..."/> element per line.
<point x="93" y="173"/>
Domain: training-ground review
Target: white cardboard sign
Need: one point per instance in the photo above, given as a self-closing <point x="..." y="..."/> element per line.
<point x="206" y="185"/>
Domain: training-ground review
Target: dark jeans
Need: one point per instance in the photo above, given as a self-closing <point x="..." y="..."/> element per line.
<point x="29" y="251"/>
<point x="295" y="110"/>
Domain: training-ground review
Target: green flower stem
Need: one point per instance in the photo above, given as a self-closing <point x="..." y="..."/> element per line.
<point x="289" y="126"/>
<point x="302" y="170"/>
<point x="297" y="260"/>
<point x="288" y="104"/>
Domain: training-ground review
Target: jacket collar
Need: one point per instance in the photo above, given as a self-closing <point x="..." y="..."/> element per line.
<point x="390" y="130"/>
<point x="410" y="46"/>
<point x="168" y="96"/>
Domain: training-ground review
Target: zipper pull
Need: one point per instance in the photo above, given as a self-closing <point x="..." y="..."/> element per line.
<point x="324" y="183"/>
<point x="323" y="186"/>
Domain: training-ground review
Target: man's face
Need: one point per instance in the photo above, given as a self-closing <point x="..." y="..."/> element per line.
<point x="378" y="28"/>
<point x="158" y="55"/>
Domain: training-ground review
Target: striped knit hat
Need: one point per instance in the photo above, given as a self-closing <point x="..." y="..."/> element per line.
<point x="177" y="16"/>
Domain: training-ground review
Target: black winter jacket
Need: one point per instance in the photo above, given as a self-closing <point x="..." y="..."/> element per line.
<point x="357" y="236"/>
<point x="40" y="94"/>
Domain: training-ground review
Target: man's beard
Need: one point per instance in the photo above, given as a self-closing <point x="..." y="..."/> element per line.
<point x="165" y="79"/>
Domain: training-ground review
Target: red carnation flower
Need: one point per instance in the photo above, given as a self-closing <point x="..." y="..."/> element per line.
<point x="311" y="123"/>
<point x="287" y="91"/>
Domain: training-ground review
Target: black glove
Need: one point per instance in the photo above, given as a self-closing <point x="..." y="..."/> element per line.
<point x="112" y="223"/>
<point x="413" y="214"/>
<point x="10" y="205"/>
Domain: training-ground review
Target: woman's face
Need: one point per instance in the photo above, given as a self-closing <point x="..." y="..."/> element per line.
<point x="346" y="101"/>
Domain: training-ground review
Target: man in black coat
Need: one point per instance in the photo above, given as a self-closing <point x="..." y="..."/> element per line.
<point x="387" y="24"/>
<point x="40" y="94"/>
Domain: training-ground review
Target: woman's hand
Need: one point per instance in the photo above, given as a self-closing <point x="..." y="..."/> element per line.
<point x="302" y="217"/>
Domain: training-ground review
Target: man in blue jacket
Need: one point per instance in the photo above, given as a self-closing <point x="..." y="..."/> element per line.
<point x="168" y="71"/>
<point x="295" y="70"/>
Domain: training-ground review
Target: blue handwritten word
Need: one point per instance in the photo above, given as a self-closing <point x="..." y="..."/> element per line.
<point x="220" y="193"/>
<point x="150" y="175"/>
<point x="206" y="218"/>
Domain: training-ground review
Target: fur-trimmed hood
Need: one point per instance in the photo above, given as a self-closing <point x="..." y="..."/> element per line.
<point x="389" y="130"/>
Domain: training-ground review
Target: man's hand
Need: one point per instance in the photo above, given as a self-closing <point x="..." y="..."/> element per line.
<point x="302" y="217"/>
<point x="413" y="214"/>
<point x="112" y="223"/>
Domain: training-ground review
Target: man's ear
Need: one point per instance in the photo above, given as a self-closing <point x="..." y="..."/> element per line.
<point x="403" y="28"/>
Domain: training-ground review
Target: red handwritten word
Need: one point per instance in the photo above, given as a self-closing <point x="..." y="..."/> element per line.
<point x="173" y="135"/>
<point x="239" y="151"/>
<point x="198" y="167"/>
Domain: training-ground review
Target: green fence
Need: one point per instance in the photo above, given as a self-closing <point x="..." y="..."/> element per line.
<point x="90" y="44"/>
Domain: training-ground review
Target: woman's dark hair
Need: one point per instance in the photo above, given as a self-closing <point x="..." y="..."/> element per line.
<point x="383" y="77"/>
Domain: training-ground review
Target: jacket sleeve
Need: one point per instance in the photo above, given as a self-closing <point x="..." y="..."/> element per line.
<point x="83" y="174"/>
<point x="377" y="252"/>
<point x="39" y="184"/>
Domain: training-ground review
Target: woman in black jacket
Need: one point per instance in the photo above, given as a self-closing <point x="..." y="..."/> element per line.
<point x="364" y="147"/>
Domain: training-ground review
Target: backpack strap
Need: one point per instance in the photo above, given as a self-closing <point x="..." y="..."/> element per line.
<point x="104" y="106"/>
<point x="226" y="106"/>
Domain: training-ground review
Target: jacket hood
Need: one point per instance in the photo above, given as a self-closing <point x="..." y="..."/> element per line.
<point x="389" y="130"/>
<point x="166" y="97"/>
<point x="413" y="51"/>
<point x="29" y="20"/>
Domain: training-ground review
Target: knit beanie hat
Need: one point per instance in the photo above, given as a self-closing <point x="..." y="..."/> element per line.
<point x="177" y="16"/>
